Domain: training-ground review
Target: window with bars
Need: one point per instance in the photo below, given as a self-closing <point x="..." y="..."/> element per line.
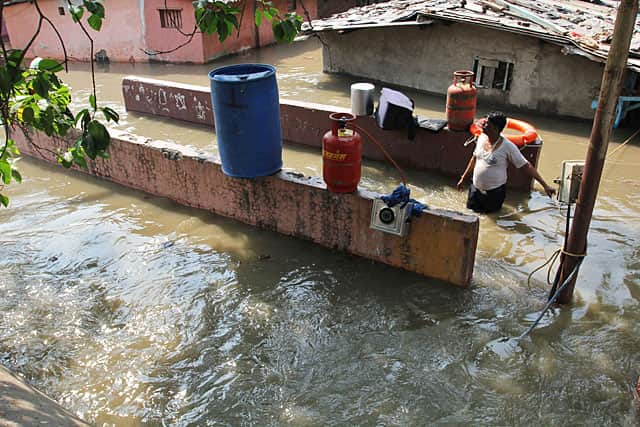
<point x="170" y="18"/>
<point x="493" y="74"/>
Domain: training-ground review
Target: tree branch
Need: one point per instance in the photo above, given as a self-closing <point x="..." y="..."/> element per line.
<point x="175" y="28"/>
<point x="314" y="33"/>
<point x="64" y="48"/>
<point x="244" y="5"/>
<point x="93" y="74"/>
<point x="4" y="49"/>
<point x="33" y="38"/>
<point x="160" y="52"/>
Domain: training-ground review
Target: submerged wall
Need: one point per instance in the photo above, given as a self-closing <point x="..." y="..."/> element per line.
<point x="441" y="244"/>
<point x="305" y="123"/>
<point x="425" y="57"/>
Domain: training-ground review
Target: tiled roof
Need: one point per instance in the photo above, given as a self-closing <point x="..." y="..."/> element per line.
<point x="585" y="28"/>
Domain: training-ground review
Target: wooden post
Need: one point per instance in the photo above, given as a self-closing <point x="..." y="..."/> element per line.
<point x="599" y="141"/>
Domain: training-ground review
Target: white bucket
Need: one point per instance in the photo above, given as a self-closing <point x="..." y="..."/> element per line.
<point x="362" y="99"/>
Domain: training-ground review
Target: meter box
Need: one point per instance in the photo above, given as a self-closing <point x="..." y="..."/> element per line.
<point x="570" y="180"/>
<point x="390" y="219"/>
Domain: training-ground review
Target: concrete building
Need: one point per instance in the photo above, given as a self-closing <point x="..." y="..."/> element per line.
<point x="546" y="56"/>
<point x="133" y="27"/>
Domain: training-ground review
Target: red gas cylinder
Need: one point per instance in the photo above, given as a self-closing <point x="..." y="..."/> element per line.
<point x="461" y="101"/>
<point x="341" y="155"/>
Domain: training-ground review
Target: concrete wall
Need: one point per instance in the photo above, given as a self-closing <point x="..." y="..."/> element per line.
<point x="425" y="57"/>
<point x="441" y="244"/>
<point x="305" y="123"/>
<point x="23" y="405"/>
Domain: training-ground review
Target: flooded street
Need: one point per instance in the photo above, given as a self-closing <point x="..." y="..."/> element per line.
<point x="130" y="310"/>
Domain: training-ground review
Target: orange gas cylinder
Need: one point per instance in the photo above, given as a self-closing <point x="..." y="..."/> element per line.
<point x="341" y="155"/>
<point x="461" y="101"/>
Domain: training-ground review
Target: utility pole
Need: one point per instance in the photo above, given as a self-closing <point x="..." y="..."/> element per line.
<point x="576" y="245"/>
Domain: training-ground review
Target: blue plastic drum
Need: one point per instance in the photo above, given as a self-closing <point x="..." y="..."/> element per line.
<point x="246" y="109"/>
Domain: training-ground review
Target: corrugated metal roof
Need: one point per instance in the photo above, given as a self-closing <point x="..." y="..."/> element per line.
<point x="585" y="28"/>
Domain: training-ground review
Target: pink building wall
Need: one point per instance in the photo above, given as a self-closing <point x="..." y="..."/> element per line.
<point x="132" y="26"/>
<point x="162" y="39"/>
<point x="121" y="36"/>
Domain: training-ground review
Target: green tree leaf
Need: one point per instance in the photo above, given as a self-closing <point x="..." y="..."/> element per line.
<point x="110" y="114"/>
<point x="50" y="65"/>
<point x="92" y="101"/>
<point x="81" y="115"/>
<point x="78" y="158"/>
<point x="5" y="171"/>
<point x="90" y="5"/>
<point x="223" y="30"/>
<point x="95" y="22"/>
<point x="5" y="80"/>
<point x="76" y="13"/>
<point x="27" y="115"/>
<point x="99" y="10"/>
<point x="4" y="200"/>
<point x="16" y="175"/>
<point x="278" y="31"/>
<point x="41" y="85"/>
<point x="234" y="21"/>
<point x="258" y="17"/>
<point x="99" y="134"/>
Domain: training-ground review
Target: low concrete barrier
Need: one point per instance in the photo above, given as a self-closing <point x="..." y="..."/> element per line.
<point x="441" y="244"/>
<point x="23" y="405"/>
<point x="305" y="123"/>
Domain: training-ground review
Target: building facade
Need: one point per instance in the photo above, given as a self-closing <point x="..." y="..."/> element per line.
<point x="138" y="31"/>
<point x="542" y="60"/>
<point x="511" y="69"/>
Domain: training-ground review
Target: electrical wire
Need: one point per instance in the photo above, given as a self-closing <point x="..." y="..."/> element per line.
<point x="551" y="261"/>
<point x="554" y="256"/>
<point x="626" y="141"/>
<point x="552" y="300"/>
<point x="384" y="151"/>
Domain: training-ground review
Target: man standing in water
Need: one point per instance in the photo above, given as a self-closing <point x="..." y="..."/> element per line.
<point x="489" y="163"/>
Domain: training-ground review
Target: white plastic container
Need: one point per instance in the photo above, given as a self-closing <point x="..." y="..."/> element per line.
<point x="362" y="99"/>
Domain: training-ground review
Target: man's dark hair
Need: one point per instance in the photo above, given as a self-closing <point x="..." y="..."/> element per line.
<point x="497" y="119"/>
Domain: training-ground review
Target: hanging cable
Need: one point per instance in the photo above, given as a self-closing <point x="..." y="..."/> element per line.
<point x="552" y="259"/>
<point x="384" y="151"/>
<point x="626" y="141"/>
<point x="552" y="300"/>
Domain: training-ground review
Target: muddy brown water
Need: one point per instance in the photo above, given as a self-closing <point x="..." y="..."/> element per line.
<point x="131" y="310"/>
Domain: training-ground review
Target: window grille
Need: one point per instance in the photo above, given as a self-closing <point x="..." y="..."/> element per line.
<point x="171" y="18"/>
<point x="493" y="74"/>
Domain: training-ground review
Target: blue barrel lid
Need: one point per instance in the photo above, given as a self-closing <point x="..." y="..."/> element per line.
<point x="242" y="73"/>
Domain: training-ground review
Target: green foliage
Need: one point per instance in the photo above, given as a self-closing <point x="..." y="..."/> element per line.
<point x="221" y="18"/>
<point x="96" y="13"/>
<point x="216" y="17"/>
<point x="285" y="29"/>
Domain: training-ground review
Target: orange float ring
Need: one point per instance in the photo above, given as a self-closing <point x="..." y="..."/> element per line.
<point x="528" y="133"/>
